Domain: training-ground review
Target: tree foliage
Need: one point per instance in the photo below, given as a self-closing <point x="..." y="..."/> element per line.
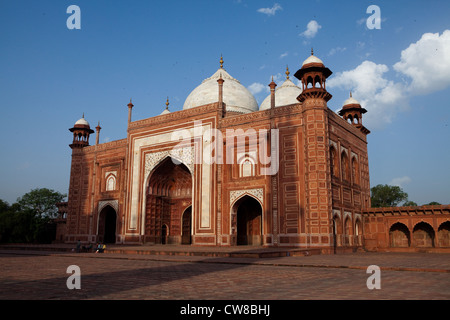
<point x="387" y="196"/>
<point x="29" y="220"/>
<point x="42" y="202"/>
<point x="432" y="203"/>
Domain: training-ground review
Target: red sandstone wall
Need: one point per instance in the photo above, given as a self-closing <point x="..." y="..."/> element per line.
<point x="407" y="228"/>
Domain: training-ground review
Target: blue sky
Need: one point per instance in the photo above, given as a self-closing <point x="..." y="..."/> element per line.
<point x="151" y="50"/>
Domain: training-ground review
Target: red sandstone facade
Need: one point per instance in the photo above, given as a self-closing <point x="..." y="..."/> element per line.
<point x="148" y="188"/>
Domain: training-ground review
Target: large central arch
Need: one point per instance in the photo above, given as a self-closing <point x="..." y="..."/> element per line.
<point x="169" y="190"/>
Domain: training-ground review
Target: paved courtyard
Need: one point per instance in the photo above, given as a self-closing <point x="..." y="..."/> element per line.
<point x="41" y="275"/>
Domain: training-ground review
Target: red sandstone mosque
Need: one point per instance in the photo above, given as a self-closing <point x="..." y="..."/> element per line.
<point x="226" y="172"/>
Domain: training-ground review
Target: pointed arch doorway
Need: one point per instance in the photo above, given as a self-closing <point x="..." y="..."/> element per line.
<point x="249" y="220"/>
<point x="169" y="189"/>
<point x="107" y="225"/>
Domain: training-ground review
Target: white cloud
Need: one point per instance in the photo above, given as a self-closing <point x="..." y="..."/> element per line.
<point x="382" y="98"/>
<point x="427" y="63"/>
<point x="361" y="21"/>
<point x="277" y="78"/>
<point x="256" y="88"/>
<point x="283" y="55"/>
<point x="270" y="11"/>
<point x="311" y="29"/>
<point x="336" y="50"/>
<point x="400" y="182"/>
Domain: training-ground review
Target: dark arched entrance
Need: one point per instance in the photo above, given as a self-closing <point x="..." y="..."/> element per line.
<point x="186" y="226"/>
<point x="169" y="191"/>
<point x="399" y="235"/>
<point x="107" y="225"/>
<point x="248" y="222"/>
<point x="423" y="235"/>
<point x="444" y="234"/>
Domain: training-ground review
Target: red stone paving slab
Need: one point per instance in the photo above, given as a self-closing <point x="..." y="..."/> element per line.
<point x="34" y="275"/>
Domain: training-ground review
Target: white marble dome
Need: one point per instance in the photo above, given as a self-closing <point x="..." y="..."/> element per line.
<point x="350" y="101"/>
<point x="236" y="97"/>
<point x="83" y="122"/>
<point x="285" y="94"/>
<point x="312" y="59"/>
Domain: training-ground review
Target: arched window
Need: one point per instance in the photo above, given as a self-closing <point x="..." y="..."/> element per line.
<point x="317" y="82"/>
<point x="111" y="183"/>
<point x="334" y="162"/>
<point x="345" y="167"/>
<point x="309" y="82"/>
<point x="348" y="231"/>
<point x="246" y="167"/>
<point x="350" y="119"/>
<point x="355" y="171"/>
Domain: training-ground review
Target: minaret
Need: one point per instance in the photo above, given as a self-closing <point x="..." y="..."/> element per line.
<point x="220" y="81"/>
<point x="97" y="128"/>
<point x="130" y="107"/>
<point x="272" y="86"/>
<point x="81" y="132"/>
<point x="314" y="98"/>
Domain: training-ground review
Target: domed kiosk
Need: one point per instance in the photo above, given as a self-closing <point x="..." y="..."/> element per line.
<point x="352" y="113"/>
<point x="81" y="131"/>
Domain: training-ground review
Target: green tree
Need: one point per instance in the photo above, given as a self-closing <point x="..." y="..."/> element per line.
<point x="432" y="203"/>
<point x="42" y="202"/>
<point x="410" y="203"/>
<point x="4" y="206"/>
<point x="30" y="219"/>
<point x="387" y="196"/>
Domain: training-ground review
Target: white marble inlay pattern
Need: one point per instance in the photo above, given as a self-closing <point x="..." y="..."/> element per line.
<point x="257" y="193"/>
<point x="184" y="155"/>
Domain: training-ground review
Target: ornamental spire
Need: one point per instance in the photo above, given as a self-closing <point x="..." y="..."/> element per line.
<point x="221" y="62"/>
<point x="287" y="73"/>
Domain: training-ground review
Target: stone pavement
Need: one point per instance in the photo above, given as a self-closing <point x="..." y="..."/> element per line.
<point x="42" y="275"/>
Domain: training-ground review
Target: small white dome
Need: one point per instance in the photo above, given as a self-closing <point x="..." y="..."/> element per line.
<point x="285" y="94"/>
<point x="351" y="100"/>
<point x="312" y="59"/>
<point x="166" y="111"/>
<point x="236" y="97"/>
<point x="82" y="121"/>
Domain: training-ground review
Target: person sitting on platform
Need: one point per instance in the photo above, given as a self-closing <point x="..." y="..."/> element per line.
<point x="100" y="248"/>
